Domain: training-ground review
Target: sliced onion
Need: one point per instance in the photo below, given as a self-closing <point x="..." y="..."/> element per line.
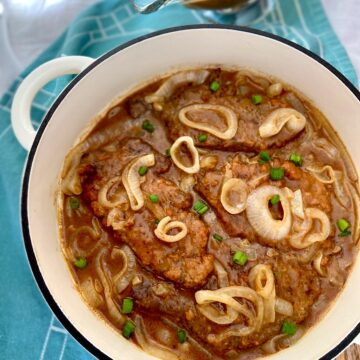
<point x="90" y="294"/>
<point x="195" y="167"/>
<point x="71" y="183"/>
<point x="168" y="87"/>
<point x="296" y="202"/>
<point x="262" y="273"/>
<point x="208" y="162"/>
<point x="234" y="185"/>
<point x="356" y="203"/>
<point x="123" y="278"/>
<point x="274" y="89"/>
<point x="100" y="265"/>
<point x="302" y="239"/>
<point x="270" y="347"/>
<point x="117" y="219"/>
<point x="226" y="296"/>
<point x="325" y="145"/>
<point x="131" y="179"/>
<point x="293" y="120"/>
<point x="283" y="307"/>
<point x="259" y="215"/>
<point x="324" y="174"/>
<point x="317" y="264"/>
<point x="149" y="345"/>
<point x="212" y="313"/>
<point x="165" y="225"/>
<point x="227" y="113"/>
<point x="103" y="199"/>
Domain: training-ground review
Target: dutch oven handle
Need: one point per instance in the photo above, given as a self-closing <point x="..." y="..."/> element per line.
<point x="25" y="94"/>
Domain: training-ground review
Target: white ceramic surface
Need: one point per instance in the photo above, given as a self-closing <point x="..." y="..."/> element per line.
<point x="123" y="70"/>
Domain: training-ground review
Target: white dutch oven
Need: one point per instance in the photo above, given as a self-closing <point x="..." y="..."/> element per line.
<point x="101" y="81"/>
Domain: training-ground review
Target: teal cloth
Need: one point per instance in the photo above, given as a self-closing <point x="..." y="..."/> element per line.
<point x="28" y="329"/>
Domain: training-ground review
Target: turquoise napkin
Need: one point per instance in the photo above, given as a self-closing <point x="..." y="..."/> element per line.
<point x="28" y="329"/>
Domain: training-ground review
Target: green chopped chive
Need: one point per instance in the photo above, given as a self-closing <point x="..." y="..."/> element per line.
<point x="345" y="233"/>
<point x="74" y="202"/>
<point x="154" y="198"/>
<point x="202" y="137"/>
<point x="148" y="126"/>
<point x="256" y="99"/>
<point x="275" y="199"/>
<point x="288" y="328"/>
<point x="214" y="86"/>
<point x="80" y="263"/>
<point x="157" y="221"/>
<point x="200" y="207"/>
<point x="264" y="157"/>
<point x="296" y="159"/>
<point x="181" y="336"/>
<point x="167" y="152"/>
<point x="277" y="173"/>
<point x="343" y="225"/>
<point x="218" y="237"/>
<point x="240" y="258"/>
<point x="142" y="170"/>
<point x="277" y="274"/>
<point x="128" y="329"/>
<point x="127" y="306"/>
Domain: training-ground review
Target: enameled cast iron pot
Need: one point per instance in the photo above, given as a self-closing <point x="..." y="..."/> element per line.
<point x="102" y="80"/>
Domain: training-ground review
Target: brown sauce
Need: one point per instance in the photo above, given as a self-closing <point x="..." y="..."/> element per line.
<point x="164" y="278"/>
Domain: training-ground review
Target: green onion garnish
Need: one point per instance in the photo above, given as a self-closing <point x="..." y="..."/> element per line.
<point x="127" y="306"/>
<point x="128" y="329"/>
<point x="142" y="170"/>
<point x="202" y="137"/>
<point x="345" y="233"/>
<point x="148" y="126"/>
<point x="240" y="258"/>
<point x="154" y="198"/>
<point x="343" y="224"/>
<point x="218" y="237"/>
<point x="275" y="199"/>
<point x="264" y="157"/>
<point x="157" y="221"/>
<point x="277" y="173"/>
<point x="214" y="86"/>
<point x="167" y="152"/>
<point x="80" y="263"/>
<point x="288" y="328"/>
<point x="181" y="336"/>
<point x="256" y="99"/>
<point x="200" y="207"/>
<point x="74" y="202"/>
<point x="296" y="159"/>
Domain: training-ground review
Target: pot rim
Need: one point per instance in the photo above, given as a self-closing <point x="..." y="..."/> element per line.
<point x="27" y="171"/>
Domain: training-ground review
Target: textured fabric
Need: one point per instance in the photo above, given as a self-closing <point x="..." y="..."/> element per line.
<point x="28" y="329"/>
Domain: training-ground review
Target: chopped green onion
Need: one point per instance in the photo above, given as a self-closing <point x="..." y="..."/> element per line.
<point x="277" y="173"/>
<point x="202" y="137"/>
<point x="127" y="306"/>
<point x="296" y="159"/>
<point x="240" y="258"/>
<point x="277" y="274"/>
<point x="345" y="233"/>
<point x="154" y="198"/>
<point x="288" y="328"/>
<point x="148" y="126"/>
<point x="200" y="207"/>
<point x="343" y="224"/>
<point x="214" y="86"/>
<point x="128" y="329"/>
<point x="275" y="199"/>
<point x="74" y="202"/>
<point x="80" y="263"/>
<point x="218" y="237"/>
<point x="157" y="221"/>
<point x="167" y="152"/>
<point x="256" y="99"/>
<point x="264" y="157"/>
<point x="181" y="336"/>
<point x="142" y="170"/>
